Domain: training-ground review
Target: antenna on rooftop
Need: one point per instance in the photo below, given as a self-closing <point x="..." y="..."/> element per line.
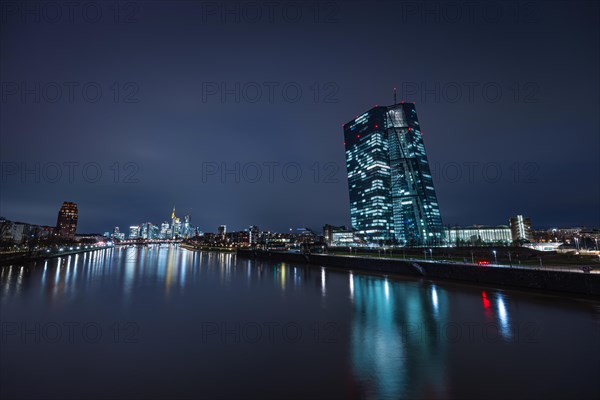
<point x="395" y="102"/>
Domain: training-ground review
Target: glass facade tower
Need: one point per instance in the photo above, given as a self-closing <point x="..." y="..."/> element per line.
<point x="392" y="198"/>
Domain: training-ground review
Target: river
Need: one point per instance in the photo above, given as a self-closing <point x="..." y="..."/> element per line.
<point x="165" y="322"/>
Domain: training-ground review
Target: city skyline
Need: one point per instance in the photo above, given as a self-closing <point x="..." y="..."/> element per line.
<point x="518" y="232"/>
<point x="339" y="199"/>
<point x="9" y="171"/>
<point x="239" y="228"/>
<point x="159" y="136"/>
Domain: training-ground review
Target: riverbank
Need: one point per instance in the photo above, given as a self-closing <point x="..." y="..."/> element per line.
<point x="25" y="257"/>
<point x="529" y="278"/>
<point x="208" y="248"/>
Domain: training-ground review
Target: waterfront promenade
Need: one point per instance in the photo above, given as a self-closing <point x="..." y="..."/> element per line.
<point x="18" y="257"/>
<point x="550" y="279"/>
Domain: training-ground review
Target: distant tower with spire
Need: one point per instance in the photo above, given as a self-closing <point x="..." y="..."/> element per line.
<point x="175" y="225"/>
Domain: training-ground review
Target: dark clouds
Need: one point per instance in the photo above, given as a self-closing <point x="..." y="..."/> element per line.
<point x="508" y="104"/>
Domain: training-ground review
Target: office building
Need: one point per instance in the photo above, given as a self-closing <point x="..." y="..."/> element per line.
<point x="222" y="231"/>
<point x="66" y="223"/>
<point x="329" y="230"/>
<point x="254" y="233"/>
<point x="134" y="232"/>
<point x="521" y="229"/>
<point x="479" y="235"/>
<point x="392" y="197"/>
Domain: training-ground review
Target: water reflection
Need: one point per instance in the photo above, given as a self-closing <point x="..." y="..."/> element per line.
<point x="164" y="269"/>
<point x="496" y="313"/>
<point x="395" y="338"/>
<point x="434" y="300"/>
<point x="503" y="317"/>
<point x="126" y="268"/>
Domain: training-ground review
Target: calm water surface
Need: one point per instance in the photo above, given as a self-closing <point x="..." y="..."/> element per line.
<point x="164" y="322"/>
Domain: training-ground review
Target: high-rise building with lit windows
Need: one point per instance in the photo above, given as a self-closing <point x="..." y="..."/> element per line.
<point x="164" y="231"/>
<point x="134" y="232"/>
<point x="66" y="223"/>
<point x="392" y="198"/>
<point x="254" y="234"/>
<point x="521" y="228"/>
<point x="175" y="225"/>
<point x="187" y="226"/>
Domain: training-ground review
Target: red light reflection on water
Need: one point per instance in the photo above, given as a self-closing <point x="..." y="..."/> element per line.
<point x="486" y="301"/>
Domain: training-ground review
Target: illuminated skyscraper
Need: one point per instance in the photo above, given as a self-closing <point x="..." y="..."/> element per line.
<point x="392" y="198"/>
<point x="66" y="223"/>
<point x="187" y="226"/>
<point x="520" y="228"/>
<point x="175" y="225"/>
<point x="254" y="234"/>
<point x="117" y="234"/>
<point x="134" y="232"/>
<point x="164" y="230"/>
<point x="149" y="231"/>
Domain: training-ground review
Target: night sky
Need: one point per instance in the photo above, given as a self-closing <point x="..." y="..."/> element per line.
<point x="507" y="94"/>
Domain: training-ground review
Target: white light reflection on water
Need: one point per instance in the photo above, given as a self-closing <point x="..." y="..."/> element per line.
<point x="434" y="300"/>
<point x="58" y="264"/>
<point x="183" y="270"/>
<point x="505" y="328"/>
<point x="44" y="273"/>
<point x="386" y="285"/>
<point x="73" y="277"/>
<point x="131" y="261"/>
<point x="296" y="277"/>
<point x="226" y="267"/>
<point x="5" y="278"/>
<point x="67" y="272"/>
<point x="19" y="281"/>
<point x="172" y="265"/>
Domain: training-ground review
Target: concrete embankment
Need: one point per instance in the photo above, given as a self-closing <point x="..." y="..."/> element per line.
<point x="559" y="281"/>
<point x="22" y="258"/>
<point x="208" y="248"/>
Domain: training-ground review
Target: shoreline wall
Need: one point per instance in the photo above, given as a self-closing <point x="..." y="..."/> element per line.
<point x="557" y="281"/>
<point x="21" y="258"/>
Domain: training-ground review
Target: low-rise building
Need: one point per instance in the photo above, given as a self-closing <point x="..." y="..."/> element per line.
<point x="479" y="235"/>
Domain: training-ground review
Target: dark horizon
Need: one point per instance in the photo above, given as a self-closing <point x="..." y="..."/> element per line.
<point x="508" y="126"/>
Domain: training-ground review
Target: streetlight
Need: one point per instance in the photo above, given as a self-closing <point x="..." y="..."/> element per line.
<point x="509" y="259"/>
<point x="495" y="258"/>
<point x="430" y="254"/>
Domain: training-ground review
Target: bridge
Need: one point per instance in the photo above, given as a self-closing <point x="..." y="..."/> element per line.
<point x="145" y="242"/>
